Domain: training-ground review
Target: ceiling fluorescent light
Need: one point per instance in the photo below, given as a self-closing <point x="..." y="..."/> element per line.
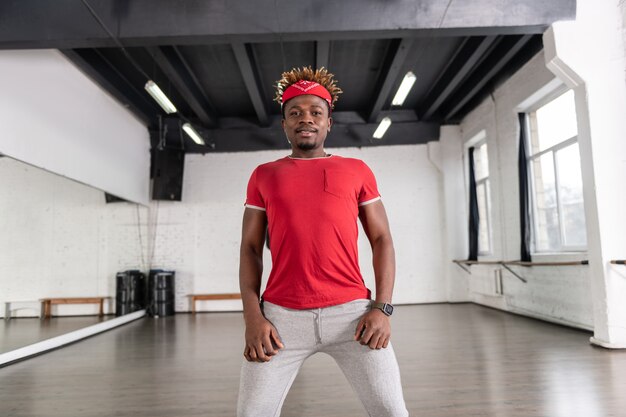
<point x="160" y="97"/>
<point x="382" y="128"/>
<point x="188" y="128"/>
<point x="403" y="90"/>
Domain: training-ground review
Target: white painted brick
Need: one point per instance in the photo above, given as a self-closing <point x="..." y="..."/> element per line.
<point x="560" y="294"/>
<point x="61" y="239"/>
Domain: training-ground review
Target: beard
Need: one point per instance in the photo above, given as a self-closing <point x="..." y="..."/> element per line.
<point x="307" y="146"/>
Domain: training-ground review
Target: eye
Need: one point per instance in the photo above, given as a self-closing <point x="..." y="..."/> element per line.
<point x="294" y="113"/>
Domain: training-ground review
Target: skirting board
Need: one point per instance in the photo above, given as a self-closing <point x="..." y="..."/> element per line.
<point x="605" y="345"/>
<point x="71" y="337"/>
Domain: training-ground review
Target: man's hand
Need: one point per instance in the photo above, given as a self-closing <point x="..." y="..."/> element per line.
<point x="262" y="341"/>
<point x="374" y="329"/>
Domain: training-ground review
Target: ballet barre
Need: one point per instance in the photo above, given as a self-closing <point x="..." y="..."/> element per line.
<point x="462" y="263"/>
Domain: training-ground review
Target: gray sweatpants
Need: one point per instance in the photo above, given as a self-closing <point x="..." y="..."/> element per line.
<point x="373" y="374"/>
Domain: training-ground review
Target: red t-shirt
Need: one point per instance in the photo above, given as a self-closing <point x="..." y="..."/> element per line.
<point x="312" y="208"/>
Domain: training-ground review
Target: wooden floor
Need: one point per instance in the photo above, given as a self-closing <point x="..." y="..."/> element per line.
<point x="456" y="360"/>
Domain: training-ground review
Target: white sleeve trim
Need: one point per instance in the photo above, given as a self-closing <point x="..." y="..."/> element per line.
<point x="254" y="207"/>
<point x="373" y="200"/>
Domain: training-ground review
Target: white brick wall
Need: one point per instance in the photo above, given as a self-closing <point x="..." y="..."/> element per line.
<point x="61" y="239"/>
<point x="560" y="294"/>
<point x="207" y="223"/>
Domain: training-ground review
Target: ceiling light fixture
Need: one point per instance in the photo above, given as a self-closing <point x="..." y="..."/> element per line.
<point x="160" y="97"/>
<point x="382" y="128"/>
<point x="403" y="90"/>
<point x="193" y="134"/>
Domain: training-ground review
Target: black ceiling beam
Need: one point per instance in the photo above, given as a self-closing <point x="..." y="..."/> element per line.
<point x="68" y="24"/>
<point x="250" y="74"/>
<point x="349" y="130"/>
<point x="342" y="136"/>
<point x="322" y="54"/>
<point x="465" y="60"/>
<point x="389" y="74"/>
<point x="527" y="52"/>
<point x="101" y="71"/>
<point x="169" y="61"/>
<point x="194" y="78"/>
<point x="345" y="117"/>
<point x="479" y="80"/>
<point x="87" y="42"/>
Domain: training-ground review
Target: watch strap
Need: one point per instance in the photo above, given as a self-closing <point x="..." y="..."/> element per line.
<point x="386" y="308"/>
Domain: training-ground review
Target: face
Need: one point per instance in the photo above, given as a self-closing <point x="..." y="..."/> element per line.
<point x="306" y="122"/>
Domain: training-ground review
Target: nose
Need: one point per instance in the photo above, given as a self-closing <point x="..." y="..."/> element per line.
<point x="306" y="118"/>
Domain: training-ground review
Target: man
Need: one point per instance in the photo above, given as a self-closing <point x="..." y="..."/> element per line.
<point x="315" y="299"/>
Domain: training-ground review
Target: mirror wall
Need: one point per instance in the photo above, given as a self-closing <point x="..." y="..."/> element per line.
<point x="59" y="238"/>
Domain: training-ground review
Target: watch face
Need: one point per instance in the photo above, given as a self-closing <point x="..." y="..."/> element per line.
<point x="388" y="309"/>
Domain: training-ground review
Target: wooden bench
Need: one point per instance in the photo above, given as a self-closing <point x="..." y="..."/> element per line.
<point x="46" y="303"/>
<point x="204" y="297"/>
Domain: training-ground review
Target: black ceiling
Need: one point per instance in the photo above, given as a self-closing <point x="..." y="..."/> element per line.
<point x="218" y="60"/>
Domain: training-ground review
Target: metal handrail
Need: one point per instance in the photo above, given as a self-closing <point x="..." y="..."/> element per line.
<point x="467" y="262"/>
<point x="505" y="265"/>
<point x="556" y="263"/>
<point x="462" y="262"/>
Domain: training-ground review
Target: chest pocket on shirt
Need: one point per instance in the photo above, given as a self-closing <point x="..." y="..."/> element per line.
<point x="339" y="183"/>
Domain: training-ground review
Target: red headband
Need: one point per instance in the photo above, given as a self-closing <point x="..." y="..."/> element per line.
<point x="307" y="87"/>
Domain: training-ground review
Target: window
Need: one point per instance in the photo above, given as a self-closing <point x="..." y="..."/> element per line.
<point x="554" y="165"/>
<point x="483" y="193"/>
<point x="481" y="171"/>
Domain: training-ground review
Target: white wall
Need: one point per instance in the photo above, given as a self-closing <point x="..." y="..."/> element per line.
<point x="54" y="117"/>
<point x="456" y="212"/>
<point x="200" y="236"/>
<point x="589" y="55"/>
<point x="60" y="239"/>
<point x="559" y="294"/>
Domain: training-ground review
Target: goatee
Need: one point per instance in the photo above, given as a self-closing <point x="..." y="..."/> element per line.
<point x="306" y="146"/>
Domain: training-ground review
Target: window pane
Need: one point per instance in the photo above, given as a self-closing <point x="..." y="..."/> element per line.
<point x="481" y="162"/>
<point x="556" y="121"/>
<point x="547" y="234"/>
<point x="571" y="196"/>
<point x="482" y="193"/>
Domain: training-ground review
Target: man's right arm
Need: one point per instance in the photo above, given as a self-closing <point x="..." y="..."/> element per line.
<point x="262" y="341"/>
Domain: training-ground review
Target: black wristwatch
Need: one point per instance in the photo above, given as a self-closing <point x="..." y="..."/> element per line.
<point x="384" y="307"/>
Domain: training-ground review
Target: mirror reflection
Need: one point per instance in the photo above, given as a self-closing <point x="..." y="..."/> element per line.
<point x="60" y="239"/>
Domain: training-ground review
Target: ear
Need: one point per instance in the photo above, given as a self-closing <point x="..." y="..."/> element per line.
<point x="282" y="123"/>
<point x="330" y="123"/>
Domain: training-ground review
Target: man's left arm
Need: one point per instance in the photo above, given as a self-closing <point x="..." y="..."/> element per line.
<point x="374" y="328"/>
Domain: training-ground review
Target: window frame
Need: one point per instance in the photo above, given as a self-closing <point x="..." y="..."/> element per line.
<point x="476" y="141"/>
<point x="530" y="158"/>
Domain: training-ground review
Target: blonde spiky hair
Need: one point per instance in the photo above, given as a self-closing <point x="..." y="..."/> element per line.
<point x="320" y="76"/>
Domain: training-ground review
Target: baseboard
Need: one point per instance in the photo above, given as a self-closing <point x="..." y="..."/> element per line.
<point x="605" y="345"/>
